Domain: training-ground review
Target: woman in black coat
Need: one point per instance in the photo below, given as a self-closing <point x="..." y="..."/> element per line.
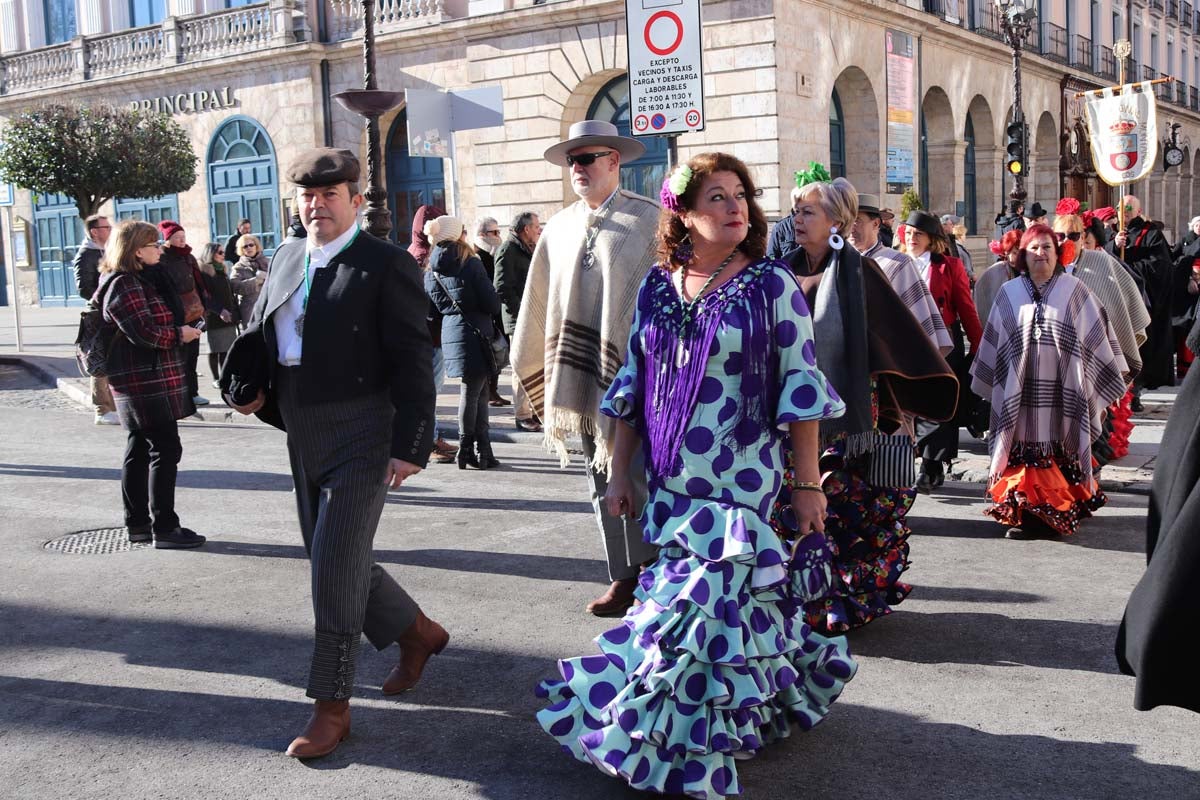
<point x="1157" y="638"/>
<point x="458" y="285"/>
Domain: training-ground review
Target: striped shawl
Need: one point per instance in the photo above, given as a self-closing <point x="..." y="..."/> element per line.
<point x="1047" y="391"/>
<point x="913" y="290"/>
<point x="573" y="328"/>
<point x="1118" y="295"/>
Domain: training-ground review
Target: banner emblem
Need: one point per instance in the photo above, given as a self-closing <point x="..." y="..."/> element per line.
<point x="1123" y="128"/>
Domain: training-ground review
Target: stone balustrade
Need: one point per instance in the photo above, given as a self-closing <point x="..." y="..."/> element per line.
<point x="345" y="16"/>
<point x="128" y="51"/>
<point x="177" y="40"/>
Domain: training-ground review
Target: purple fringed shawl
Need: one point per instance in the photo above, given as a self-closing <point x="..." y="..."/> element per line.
<point x="672" y="388"/>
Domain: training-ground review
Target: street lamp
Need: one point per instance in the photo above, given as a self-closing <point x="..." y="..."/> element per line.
<point x="371" y="102"/>
<point x="1017" y="18"/>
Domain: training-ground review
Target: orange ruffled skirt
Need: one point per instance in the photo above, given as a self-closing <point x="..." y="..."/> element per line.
<point x="1051" y="488"/>
<point x="1121" y="414"/>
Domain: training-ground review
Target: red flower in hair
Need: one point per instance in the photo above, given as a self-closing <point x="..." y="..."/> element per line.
<point x="1067" y="206"/>
<point x="1088" y="216"/>
<point x="996" y="248"/>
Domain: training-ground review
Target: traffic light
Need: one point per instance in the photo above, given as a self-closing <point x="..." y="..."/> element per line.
<point x="1015" y="148"/>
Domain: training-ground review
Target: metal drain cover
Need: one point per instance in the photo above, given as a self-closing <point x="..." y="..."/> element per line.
<point x="95" y="543"/>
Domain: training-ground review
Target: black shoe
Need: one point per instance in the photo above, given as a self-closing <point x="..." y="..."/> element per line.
<point x="466" y="453"/>
<point x="1136" y="406"/>
<point x="924" y="483"/>
<point x="178" y="539"/>
<point x="529" y="425"/>
<point x="486" y="459"/>
<point x="139" y="535"/>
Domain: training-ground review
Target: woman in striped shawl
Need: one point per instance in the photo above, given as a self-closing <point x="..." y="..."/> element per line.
<point x="1049" y="363"/>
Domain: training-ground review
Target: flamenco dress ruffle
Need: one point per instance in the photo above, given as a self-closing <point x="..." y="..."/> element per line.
<point x="866" y="532"/>
<point x="1047" y="485"/>
<point x="711" y="664"/>
<point x="1120" y="415"/>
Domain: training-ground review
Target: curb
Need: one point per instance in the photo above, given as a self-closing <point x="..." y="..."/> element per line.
<point x="64" y="385"/>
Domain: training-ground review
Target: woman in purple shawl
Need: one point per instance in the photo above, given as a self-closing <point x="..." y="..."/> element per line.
<point x="721" y="367"/>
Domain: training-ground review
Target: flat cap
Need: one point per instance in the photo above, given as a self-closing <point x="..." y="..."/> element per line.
<point x="323" y="166"/>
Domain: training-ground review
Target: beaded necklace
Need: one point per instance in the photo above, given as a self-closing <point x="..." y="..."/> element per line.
<point x="689" y="306"/>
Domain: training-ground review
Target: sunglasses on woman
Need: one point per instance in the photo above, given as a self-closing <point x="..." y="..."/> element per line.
<point x="1074" y="237"/>
<point x="586" y="159"/>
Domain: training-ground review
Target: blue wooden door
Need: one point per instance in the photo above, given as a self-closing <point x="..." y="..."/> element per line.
<point x="412" y="182"/>
<point x="243" y="182"/>
<point x="58" y="232"/>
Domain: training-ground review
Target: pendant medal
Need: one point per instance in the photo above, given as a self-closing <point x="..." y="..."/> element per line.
<point x="588" y="259"/>
<point x="682" y="357"/>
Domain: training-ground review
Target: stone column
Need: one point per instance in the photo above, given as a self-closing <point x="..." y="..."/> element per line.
<point x="10" y="31"/>
<point x="181" y="8"/>
<point x="91" y="17"/>
<point x="945" y="175"/>
<point x="35" y="24"/>
<point x="989" y="178"/>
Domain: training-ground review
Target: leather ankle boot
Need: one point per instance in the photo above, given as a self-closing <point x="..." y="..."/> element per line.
<point x="421" y="640"/>
<point x="466" y="453"/>
<point x="327" y="727"/>
<point x="616" y="601"/>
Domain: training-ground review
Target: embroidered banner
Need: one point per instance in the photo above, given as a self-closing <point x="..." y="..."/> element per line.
<point x="1123" y="126"/>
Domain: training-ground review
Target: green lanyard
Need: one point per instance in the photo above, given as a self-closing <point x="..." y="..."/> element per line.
<point x="308" y="281"/>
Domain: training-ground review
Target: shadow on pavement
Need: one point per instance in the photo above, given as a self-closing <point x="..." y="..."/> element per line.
<point x="988" y="639"/>
<point x="949" y="761"/>
<point x="965" y="594"/>
<point x="187" y="479"/>
<point x="521" y="565"/>
<point x="506" y="755"/>
<point x="496" y="503"/>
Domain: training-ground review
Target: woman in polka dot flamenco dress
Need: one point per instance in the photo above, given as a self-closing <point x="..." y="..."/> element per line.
<point x="708" y="667"/>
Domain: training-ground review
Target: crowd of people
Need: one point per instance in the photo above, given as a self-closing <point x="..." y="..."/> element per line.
<point x="758" y="412"/>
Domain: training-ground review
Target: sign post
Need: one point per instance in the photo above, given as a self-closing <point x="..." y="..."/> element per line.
<point x="434" y="116"/>
<point x="7" y="192"/>
<point x="666" y="76"/>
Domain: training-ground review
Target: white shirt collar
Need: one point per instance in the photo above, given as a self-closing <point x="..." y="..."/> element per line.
<point x="924" y="258"/>
<point x="328" y="251"/>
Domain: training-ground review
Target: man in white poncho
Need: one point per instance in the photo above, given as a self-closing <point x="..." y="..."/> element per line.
<point x="574" y="326"/>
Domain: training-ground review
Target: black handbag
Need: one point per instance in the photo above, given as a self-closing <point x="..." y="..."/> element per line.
<point x="94" y="341"/>
<point x="496" y="347"/>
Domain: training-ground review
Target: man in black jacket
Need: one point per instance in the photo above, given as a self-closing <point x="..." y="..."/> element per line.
<point x="1146" y="251"/>
<point x="342" y="322"/>
<point x="231" y="253"/>
<point x="87" y="278"/>
<point x="511" y="270"/>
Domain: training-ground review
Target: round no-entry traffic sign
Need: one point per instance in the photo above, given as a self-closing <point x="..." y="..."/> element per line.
<point x="641" y="122"/>
<point x="669" y="19"/>
<point x="693" y="118"/>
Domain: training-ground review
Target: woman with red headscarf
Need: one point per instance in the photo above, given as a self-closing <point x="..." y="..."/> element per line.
<point x="1050" y="364"/>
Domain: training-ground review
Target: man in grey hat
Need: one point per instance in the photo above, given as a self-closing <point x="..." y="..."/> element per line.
<point x="574" y="325"/>
<point x="342" y="322"/>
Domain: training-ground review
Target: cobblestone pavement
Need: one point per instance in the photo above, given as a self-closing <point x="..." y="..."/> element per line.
<point x="20" y="388"/>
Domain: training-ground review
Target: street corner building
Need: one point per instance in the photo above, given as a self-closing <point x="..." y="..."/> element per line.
<point x="892" y="95"/>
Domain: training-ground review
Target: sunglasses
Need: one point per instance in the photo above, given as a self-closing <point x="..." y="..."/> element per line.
<point x="1074" y="237"/>
<point x="586" y="159"/>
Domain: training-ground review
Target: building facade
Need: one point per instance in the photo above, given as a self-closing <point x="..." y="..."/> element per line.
<point x="890" y="94"/>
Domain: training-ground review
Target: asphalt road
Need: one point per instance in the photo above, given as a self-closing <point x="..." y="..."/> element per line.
<point x="181" y="674"/>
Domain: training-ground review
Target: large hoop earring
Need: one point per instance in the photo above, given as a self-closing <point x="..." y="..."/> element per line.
<point x="683" y="253"/>
<point x="835" y="241"/>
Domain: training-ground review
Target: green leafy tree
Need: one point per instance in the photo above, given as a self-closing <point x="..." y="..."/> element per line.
<point x="910" y="201"/>
<point x="95" y="153"/>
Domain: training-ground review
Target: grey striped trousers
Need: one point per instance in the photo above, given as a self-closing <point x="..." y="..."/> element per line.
<point x="339" y="455"/>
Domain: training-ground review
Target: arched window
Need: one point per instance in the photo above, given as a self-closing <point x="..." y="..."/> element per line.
<point x="837" y="138"/>
<point x="412" y="181"/>
<point x="243" y="182"/>
<point x="644" y="176"/>
<point x="969" y="178"/>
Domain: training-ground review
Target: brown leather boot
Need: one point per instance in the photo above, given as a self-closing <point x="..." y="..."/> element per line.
<point x="616" y="601"/>
<point x="422" y="639"/>
<point x="327" y="727"/>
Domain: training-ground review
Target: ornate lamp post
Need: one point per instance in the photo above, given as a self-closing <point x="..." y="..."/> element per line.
<point x="1017" y="18"/>
<point x="371" y="102"/>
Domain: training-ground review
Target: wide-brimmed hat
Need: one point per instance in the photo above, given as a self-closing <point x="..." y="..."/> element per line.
<point x="887" y="214"/>
<point x="925" y="222"/>
<point x="1036" y="211"/>
<point x="595" y="133"/>
<point x="869" y="203"/>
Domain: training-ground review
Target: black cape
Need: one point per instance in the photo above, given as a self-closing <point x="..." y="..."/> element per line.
<point x="1159" y="638"/>
<point x="1148" y="254"/>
